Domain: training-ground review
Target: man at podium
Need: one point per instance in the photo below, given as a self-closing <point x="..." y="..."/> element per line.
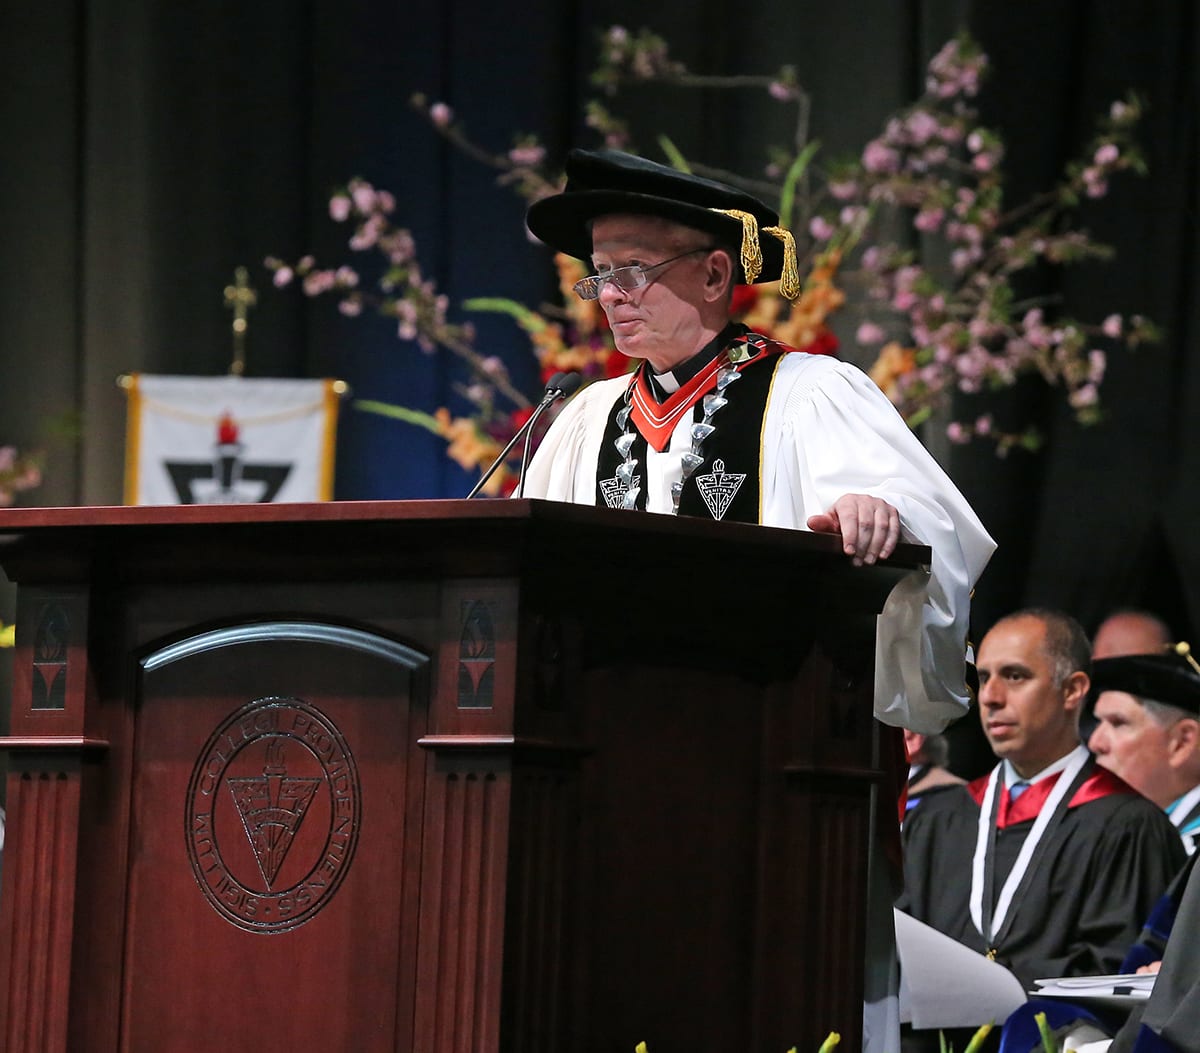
<point x="723" y="423"/>
<point x="720" y="422"/>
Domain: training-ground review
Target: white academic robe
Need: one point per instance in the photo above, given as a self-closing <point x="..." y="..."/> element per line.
<point x="828" y="431"/>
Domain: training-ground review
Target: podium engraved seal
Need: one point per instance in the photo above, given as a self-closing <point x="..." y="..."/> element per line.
<point x="273" y="813"/>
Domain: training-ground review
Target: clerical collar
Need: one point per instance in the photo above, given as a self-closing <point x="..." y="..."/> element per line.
<point x="1011" y="774"/>
<point x="673" y="379"/>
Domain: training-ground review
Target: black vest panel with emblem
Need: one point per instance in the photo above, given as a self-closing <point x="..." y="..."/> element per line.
<point x="733" y="450"/>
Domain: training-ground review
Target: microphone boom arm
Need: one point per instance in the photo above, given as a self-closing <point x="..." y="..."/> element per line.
<point x="560" y="386"/>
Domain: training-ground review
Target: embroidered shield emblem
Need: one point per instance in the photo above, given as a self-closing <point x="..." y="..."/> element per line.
<point x="615" y="489"/>
<point x="719" y="487"/>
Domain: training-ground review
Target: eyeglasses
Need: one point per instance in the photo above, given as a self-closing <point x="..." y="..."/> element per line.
<point x="626" y="278"/>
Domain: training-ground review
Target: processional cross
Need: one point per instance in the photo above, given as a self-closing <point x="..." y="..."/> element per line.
<point x="240" y="297"/>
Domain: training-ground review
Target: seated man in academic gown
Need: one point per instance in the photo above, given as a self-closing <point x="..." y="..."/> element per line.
<point x="927" y="771"/>
<point x="1147" y="732"/>
<point x="1147" y="712"/>
<point x="1050" y="863"/>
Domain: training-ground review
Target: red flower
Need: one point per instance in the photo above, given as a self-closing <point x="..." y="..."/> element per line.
<point x="825" y="343"/>
<point x="744" y="299"/>
<point x="617" y="365"/>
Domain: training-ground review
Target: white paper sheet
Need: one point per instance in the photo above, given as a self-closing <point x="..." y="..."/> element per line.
<point x="1118" y="990"/>
<point x="944" y="984"/>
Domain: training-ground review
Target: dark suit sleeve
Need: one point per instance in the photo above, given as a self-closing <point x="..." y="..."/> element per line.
<point x="1171" y="1019"/>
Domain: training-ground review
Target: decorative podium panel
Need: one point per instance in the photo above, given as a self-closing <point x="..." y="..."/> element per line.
<point x="440" y="777"/>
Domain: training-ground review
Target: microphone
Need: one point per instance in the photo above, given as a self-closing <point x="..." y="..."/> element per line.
<point x="561" y="385"/>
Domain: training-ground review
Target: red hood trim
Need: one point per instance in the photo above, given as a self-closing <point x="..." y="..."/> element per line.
<point x="1100" y="783"/>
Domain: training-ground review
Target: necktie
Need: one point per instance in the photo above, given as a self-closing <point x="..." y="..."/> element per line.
<point x="1008" y="800"/>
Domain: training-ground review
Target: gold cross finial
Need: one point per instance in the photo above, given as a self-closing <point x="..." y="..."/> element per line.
<point x="240" y="297"/>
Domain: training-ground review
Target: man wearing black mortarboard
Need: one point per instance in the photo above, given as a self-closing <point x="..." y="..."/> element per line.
<point x="1147" y="711"/>
<point x="723" y="423"/>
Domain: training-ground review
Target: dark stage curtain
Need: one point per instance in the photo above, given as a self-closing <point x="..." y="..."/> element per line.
<point x="1103" y="516"/>
<point x="150" y="148"/>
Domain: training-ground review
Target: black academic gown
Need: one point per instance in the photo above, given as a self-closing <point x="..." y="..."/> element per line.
<point x="926" y="782"/>
<point x="1098" y="874"/>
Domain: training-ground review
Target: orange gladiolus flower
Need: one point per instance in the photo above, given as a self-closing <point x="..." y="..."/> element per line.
<point x="894" y="361"/>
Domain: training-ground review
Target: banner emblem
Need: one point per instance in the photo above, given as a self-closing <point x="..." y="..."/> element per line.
<point x="228" y="440"/>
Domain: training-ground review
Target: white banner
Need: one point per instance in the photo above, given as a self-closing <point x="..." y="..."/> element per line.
<point x="229" y="440"/>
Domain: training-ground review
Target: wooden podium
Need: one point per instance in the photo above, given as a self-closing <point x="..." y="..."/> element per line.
<point x="440" y="777"/>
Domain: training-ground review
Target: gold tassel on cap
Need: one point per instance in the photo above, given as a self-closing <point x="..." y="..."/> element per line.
<point x="752" y="260"/>
<point x="789" y="280"/>
<point x="1184" y="650"/>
